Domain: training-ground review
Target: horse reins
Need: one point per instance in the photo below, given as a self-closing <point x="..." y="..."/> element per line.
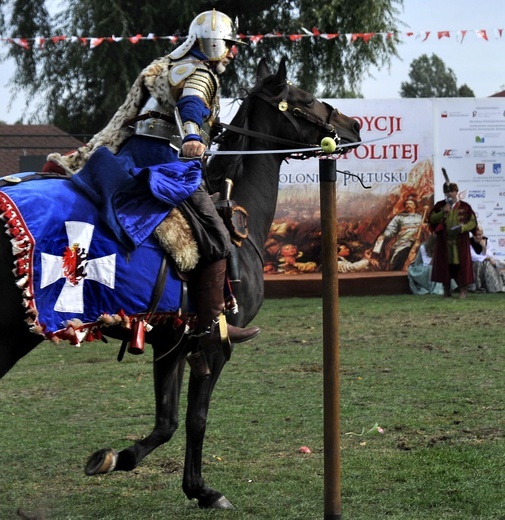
<point x="291" y="113"/>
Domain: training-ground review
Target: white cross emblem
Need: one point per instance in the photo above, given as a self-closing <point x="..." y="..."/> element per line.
<point x="75" y="267"/>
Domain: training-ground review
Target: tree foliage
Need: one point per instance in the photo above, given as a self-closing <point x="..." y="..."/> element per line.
<point x="465" y="91"/>
<point x="82" y="87"/>
<point x="430" y="78"/>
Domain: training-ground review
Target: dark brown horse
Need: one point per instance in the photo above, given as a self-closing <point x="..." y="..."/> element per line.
<point x="272" y="111"/>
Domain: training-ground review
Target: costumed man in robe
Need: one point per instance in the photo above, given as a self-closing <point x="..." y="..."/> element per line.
<point x="452" y="220"/>
<point x="131" y="169"/>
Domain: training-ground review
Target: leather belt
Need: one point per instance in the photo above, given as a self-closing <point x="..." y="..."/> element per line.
<point x="152" y="114"/>
<point x="11" y="180"/>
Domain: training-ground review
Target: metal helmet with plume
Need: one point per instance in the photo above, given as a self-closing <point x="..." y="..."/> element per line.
<point x="214" y="31"/>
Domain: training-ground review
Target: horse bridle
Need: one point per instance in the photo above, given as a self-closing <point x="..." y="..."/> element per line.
<point x="291" y="113"/>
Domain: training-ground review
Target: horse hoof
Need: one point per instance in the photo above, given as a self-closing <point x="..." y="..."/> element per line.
<point x="221" y="503"/>
<point x="102" y="461"/>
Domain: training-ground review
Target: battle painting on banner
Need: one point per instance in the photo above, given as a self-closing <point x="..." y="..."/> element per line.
<point x="384" y="192"/>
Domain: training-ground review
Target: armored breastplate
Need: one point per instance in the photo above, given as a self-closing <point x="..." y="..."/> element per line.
<point x="154" y="121"/>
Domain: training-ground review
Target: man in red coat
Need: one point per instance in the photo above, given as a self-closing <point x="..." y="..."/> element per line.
<point x="452" y="220"/>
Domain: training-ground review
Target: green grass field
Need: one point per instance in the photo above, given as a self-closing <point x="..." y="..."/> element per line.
<point x="428" y="370"/>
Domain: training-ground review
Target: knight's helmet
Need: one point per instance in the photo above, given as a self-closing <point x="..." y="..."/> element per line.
<point x="214" y="31"/>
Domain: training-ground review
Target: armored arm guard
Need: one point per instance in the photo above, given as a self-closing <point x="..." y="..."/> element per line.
<point x="202" y="84"/>
<point x="194" y="80"/>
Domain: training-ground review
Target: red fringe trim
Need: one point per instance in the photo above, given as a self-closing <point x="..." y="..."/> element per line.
<point x="22" y="249"/>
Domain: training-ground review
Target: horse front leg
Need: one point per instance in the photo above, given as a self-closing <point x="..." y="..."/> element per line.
<point x="199" y="394"/>
<point x="168" y="377"/>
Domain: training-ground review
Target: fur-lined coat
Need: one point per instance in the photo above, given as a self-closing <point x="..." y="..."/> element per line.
<point x="154" y="81"/>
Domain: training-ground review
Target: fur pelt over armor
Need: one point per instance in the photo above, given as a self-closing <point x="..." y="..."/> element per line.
<point x="176" y="238"/>
<point x="174" y="233"/>
<point x="154" y="82"/>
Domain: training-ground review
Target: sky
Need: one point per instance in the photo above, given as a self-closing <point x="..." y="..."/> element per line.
<point x="476" y="62"/>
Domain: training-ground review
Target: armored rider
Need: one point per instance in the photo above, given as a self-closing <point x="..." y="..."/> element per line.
<point x="122" y="166"/>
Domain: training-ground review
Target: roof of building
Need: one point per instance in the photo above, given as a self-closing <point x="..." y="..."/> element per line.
<point x="38" y="140"/>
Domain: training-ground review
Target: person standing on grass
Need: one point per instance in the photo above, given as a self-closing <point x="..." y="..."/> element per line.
<point x="452" y="220"/>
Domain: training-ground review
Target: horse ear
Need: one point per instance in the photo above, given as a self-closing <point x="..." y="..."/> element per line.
<point x="282" y="72"/>
<point x="262" y="71"/>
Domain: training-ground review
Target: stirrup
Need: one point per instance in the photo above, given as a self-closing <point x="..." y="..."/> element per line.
<point x="219" y="325"/>
<point x="216" y="333"/>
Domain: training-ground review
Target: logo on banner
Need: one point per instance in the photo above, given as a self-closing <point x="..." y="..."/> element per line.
<point x="452" y="153"/>
<point x="477" y="194"/>
<point x="74" y="262"/>
<point x="497" y="168"/>
<point x="480" y="168"/>
<point x="479" y="139"/>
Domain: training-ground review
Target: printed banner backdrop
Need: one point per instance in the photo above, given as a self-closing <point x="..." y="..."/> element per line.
<point x="376" y="180"/>
<point x="385" y="188"/>
<point x="470" y="145"/>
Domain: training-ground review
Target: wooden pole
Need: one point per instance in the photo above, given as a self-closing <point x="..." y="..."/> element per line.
<point x="331" y="363"/>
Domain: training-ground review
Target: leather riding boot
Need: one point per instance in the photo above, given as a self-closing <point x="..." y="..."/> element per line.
<point x="211" y="306"/>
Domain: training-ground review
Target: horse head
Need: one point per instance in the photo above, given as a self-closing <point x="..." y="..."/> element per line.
<point x="299" y="106"/>
<point x="277" y="115"/>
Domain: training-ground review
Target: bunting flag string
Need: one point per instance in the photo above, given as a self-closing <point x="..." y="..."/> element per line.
<point x="422" y="36"/>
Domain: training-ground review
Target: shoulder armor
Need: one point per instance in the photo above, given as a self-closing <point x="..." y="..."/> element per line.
<point x="202" y="84"/>
<point x="180" y="70"/>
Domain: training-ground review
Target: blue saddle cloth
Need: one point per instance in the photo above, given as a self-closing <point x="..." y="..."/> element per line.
<point x="69" y="265"/>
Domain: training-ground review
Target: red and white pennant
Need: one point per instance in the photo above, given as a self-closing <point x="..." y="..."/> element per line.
<point x="254" y="39"/>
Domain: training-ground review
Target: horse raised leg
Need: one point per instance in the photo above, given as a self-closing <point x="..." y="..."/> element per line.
<point x="168" y="375"/>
